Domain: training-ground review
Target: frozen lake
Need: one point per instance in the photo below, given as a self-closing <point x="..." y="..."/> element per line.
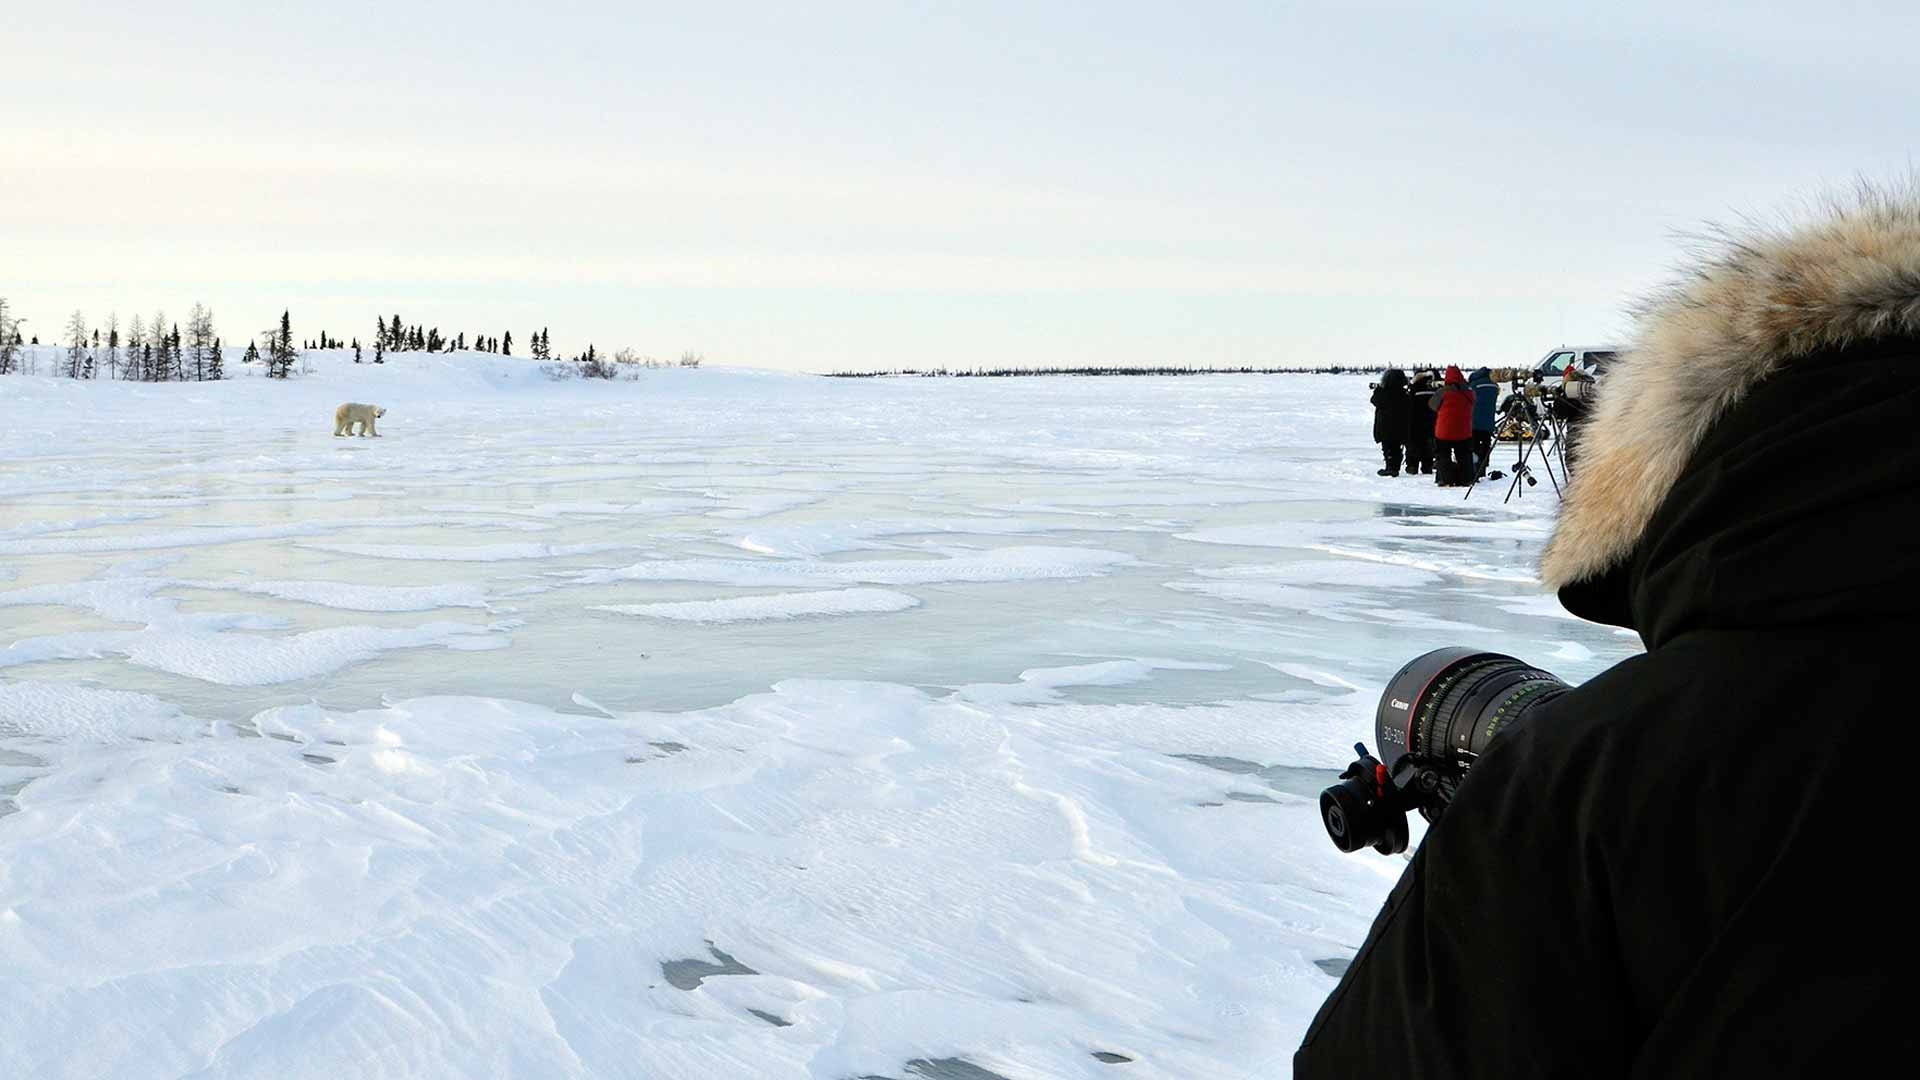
<point x="718" y="724"/>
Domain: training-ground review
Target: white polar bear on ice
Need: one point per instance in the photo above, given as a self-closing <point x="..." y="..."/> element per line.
<point x="353" y="413"/>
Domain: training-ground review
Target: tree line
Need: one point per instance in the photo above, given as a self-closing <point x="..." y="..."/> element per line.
<point x="158" y="350"/>
<point x="147" y="350"/>
<point x="397" y="336"/>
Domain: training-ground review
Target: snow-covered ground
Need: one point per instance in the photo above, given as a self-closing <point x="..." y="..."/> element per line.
<point x="717" y="724"/>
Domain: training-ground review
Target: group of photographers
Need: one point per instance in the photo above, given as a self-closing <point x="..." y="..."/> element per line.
<point x="1444" y="423"/>
<point x="1441" y="422"/>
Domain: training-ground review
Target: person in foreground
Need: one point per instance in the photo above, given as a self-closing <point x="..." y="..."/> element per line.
<point x="1689" y="865"/>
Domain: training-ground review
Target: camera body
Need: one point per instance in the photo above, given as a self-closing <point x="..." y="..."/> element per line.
<point x="1435" y="717"/>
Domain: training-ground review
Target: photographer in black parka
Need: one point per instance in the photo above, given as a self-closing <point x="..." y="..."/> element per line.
<point x="1390" y="411"/>
<point x="1689" y="865"/>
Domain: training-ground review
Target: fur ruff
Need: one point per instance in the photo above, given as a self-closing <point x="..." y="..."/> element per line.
<point x="1761" y="298"/>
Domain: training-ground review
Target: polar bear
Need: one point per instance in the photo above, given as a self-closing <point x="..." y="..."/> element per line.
<point x="353" y="413"/>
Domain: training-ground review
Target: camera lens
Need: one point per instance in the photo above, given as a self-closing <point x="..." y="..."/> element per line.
<point x="1435" y="718"/>
<point x="1445" y="707"/>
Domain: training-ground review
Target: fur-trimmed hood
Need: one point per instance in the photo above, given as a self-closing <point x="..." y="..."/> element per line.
<point x="1763" y="298"/>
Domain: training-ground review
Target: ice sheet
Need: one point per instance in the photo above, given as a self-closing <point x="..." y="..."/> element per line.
<point x="718" y="724"/>
<point x="771" y="606"/>
<point x="1000" y="564"/>
<point x="468" y="553"/>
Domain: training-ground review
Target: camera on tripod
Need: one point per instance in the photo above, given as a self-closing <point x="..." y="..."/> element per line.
<point x="1436" y="716"/>
<point x="1535" y="431"/>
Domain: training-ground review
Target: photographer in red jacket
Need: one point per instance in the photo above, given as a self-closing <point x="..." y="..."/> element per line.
<point x="1453" y="431"/>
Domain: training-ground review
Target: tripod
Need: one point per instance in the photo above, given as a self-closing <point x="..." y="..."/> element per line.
<point x="1520" y="412"/>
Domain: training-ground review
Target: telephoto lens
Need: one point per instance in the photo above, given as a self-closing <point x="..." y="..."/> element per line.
<point x="1436" y="716"/>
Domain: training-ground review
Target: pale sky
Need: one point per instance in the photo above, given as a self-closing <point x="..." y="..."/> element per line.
<point x="858" y="185"/>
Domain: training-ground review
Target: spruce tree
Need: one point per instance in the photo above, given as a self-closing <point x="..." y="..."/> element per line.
<point x="253" y="354"/>
<point x="356" y="350"/>
<point x="76" y="344"/>
<point x="113" y="344"/>
<point x="395" y="342"/>
<point x="280" y="350"/>
<point x="7" y="352"/>
<point x="506" y="344"/>
<point x="215" y="369"/>
<point x="136" y="338"/>
<point x="155" y="355"/>
<point x="200" y="339"/>
<point x="380" y="350"/>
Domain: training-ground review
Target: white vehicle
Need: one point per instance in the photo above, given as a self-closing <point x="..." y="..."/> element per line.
<point x="1588" y="359"/>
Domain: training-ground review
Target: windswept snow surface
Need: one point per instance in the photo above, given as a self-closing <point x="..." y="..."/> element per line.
<point x="716" y="724"/>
